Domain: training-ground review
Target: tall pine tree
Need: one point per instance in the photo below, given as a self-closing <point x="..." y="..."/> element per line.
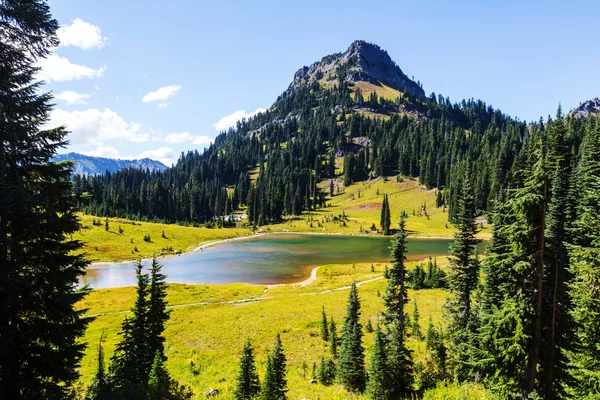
<point x="248" y="384"/>
<point x="39" y="326"/>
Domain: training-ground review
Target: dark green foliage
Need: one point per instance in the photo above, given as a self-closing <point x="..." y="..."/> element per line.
<point x="399" y="357"/>
<point x="106" y="224"/>
<point x="351" y="357"/>
<point x="416" y="327"/>
<point x="275" y="384"/>
<point x="378" y="386"/>
<point x="324" y="327"/>
<point x="248" y="384"/>
<point x="326" y="372"/>
<point x="433" y="278"/>
<point x="159" y="381"/>
<point x="100" y="389"/>
<point x="463" y="278"/>
<point x="385" y="216"/>
<point x="39" y="327"/>
<point x="333" y="340"/>
<point x="369" y="327"/>
<point x="157" y="314"/>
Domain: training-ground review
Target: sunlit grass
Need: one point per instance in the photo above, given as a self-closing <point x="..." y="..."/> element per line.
<point x="203" y="341"/>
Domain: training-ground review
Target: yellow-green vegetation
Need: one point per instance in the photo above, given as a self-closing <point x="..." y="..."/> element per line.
<point x="361" y="204"/>
<point x="382" y="90"/>
<point x="209" y="324"/>
<point x="124" y="239"/>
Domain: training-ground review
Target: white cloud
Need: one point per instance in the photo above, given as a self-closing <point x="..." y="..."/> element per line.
<point x="95" y="127"/>
<point x="231" y="119"/>
<point x="163" y="105"/>
<point x="103" y="151"/>
<point x="186" y="137"/>
<point x="57" y="68"/>
<point x="165" y="155"/>
<point x="81" y="34"/>
<point x="161" y="94"/>
<point x="72" y="97"/>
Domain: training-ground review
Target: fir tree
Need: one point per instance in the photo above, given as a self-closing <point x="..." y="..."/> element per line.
<point x="416" y="328"/>
<point x="100" y="388"/>
<point x="333" y="341"/>
<point x="39" y="326"/>
<point x="395" y="298"/>
<point x="248" y="384"/>
<point x="157" y="314"/>
<point x="326" y="372"/>
<point x="385" y="215"/>
<point x="378" y="386"/>
<point x="464" y="275"/>
<point x="275" y="383"/>
<point x="159" y="381"/>
<point x="351" y="358"/>
<point x="324" y="327"/>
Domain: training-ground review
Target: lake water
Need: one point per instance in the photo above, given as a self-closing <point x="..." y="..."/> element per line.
<point x="267" y="259"/>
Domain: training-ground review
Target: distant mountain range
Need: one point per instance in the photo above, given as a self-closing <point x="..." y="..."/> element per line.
<point x="88" y="165"/>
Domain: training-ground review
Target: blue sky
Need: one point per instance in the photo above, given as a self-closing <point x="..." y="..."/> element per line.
<point x="196" y="62"/>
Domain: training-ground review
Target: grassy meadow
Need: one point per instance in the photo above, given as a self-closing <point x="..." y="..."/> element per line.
<point x="209" y="324"/>
<point x="128" y="243"/>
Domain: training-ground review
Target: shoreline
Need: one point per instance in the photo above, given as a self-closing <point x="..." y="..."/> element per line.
<point x="201" y="247"/>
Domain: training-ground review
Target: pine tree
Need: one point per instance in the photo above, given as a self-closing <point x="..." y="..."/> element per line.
<point x="585" y="267"/>
<point x="275" y="383"/>
<point x="378" y="386"/>
<point x="332" y="338"/>
<point x="416" y="328"/>
<point x="39" y="326"/>
<point x="159" y="380"/>
<point x="557" y="323"/>
<point x="248" y="384"/>
<point x="351" y="358"/>
<point x="395" y="298"/>
<point x="100" y="388"/>
<point x="157" y="314"/>
<point x="385" y="215"/>
<point x="326" y="371"/>
<point x="464" y="275"/>
<point x="324" y="328"/>
<point x="123" y="365"/>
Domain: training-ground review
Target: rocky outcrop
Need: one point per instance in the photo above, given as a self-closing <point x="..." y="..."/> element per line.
<point x="587" y="107"/>
<point x="362" y="61"/>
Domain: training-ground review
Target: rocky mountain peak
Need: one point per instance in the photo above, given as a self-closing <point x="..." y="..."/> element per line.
<point x="587" y="107"/>
<point x="362" y="61"/>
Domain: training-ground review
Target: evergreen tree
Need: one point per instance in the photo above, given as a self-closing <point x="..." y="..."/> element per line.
<point x="416" y="328"/>
<point x="39" y="326"/>
<point x="385" y="215"/>
<point x="395" y="298"/>
<point x="464" y="275"/>
<point x="248" y="384"/>
<point x="324" y="327"/>
<point x="585" y="267"/>
<point x="159" y="381"/>
<point x="123" y="366"/>
<point x="351" y="358"/>
<point x="326" y="373"/>
<point x="333" y="341"/>
<point x="157" y="314"/>
<point x="275" y="383"/>
<point x="378" y="386"/>
<point x="100" y="388"/>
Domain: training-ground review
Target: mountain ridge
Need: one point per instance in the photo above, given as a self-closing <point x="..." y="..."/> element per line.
<point x="90" y="165"/>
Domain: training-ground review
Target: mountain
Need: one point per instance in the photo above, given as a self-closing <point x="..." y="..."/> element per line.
<point x="363" y="64"/>
<point x="586" y="108"/>
<point x="88" y="165"/>
<point x="350" y="117"/>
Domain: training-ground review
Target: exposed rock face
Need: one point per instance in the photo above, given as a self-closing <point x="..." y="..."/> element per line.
<point x="587" y="107"/>
<point x="88" y="165"/>
<point x="361" y="62"/>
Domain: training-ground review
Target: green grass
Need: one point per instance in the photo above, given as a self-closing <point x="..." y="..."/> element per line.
<point x="206" y="331"/>
<point x="361" y="203"/>
<point x="102" y="245"/>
